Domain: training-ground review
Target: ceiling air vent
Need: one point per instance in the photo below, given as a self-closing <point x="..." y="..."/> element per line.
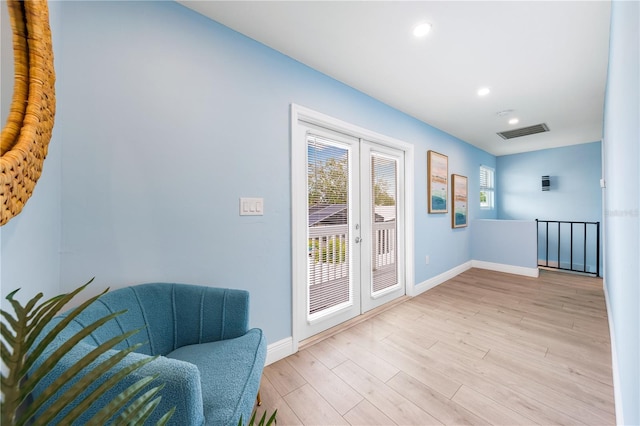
<point x="524" y="131"/>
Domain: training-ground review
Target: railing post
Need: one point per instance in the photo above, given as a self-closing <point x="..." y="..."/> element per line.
<point x="537" y="242"/>
<point x="571" y="247"/>
<point x="547" y="249"/>
<point x="559" y="229"/>
<point x="597" y="249"/>
<point x="585" y="247"/>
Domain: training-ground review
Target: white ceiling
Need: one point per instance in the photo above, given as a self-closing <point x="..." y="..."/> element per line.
<point x="545" y="60"/>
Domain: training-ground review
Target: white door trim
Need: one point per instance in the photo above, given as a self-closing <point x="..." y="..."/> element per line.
<point x="299" y="192"/>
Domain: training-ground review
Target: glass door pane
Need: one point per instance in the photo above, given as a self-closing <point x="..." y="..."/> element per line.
<point x="382" y="198"/>
<point x="329" y="256"/>
<point x="384" y="254"/>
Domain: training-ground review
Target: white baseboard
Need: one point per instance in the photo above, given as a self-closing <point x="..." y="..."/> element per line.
<point x="509" y="269"/>
<point x="439" y="279"/>
<point x="614" y="362"/>
<point x="278" y="350"/>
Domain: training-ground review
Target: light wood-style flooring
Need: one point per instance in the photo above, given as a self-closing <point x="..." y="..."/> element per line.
<point x="482" y="348"/>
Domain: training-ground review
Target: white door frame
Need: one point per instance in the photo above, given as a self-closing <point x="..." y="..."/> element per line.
<point x="299" y="244"/>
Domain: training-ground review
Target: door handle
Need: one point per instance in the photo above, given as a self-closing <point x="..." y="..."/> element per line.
<point x="358" y="239"/>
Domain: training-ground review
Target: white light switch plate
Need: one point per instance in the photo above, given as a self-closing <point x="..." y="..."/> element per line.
<point x="251" y="206"/>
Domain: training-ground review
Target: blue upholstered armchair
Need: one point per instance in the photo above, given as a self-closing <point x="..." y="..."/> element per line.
<point x="210" y="363"/>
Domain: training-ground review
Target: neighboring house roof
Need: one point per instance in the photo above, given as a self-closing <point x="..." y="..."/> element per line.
<point x="328" y="214"/>
<point x="336" y="214"/>
<point x="385" y="213"/>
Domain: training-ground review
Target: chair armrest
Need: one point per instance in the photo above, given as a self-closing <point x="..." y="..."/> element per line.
<point x="182" y="390"/>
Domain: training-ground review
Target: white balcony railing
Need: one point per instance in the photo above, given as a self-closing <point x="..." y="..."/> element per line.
<point x="329" y="262"/>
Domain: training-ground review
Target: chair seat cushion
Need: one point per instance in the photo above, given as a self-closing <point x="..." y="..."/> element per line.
<point x="230" y="373"/>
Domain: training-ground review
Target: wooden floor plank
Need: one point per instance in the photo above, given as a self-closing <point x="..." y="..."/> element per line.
<point x="391" y="403"/>
<point x="336" y="392"/>
<point x="436" y="404"/>
<point x="327" y="354"/>
<point x="482" y="348"/>
<point x="374" y="364"/>
<point x="366" y="414"/>
<point x="415" y="361"/>
<point x="488" y="409"/>
<point x="590" y="393"/>
<point x="272" y="401"/>
<point x="311" y="408"/>
<point x="284" y="377"/>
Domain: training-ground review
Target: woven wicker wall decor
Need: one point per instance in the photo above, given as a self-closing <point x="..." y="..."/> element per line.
<point x="27" y="132"/>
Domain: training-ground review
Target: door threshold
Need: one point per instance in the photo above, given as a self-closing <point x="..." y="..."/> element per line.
<point x="350" y="323"/>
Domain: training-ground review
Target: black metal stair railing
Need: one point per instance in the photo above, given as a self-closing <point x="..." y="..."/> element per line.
<point x="569" y="253"/>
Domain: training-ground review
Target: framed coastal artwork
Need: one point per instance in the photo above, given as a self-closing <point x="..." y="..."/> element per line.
<point x="459" y="196"/>
<point x="437" y="184"/>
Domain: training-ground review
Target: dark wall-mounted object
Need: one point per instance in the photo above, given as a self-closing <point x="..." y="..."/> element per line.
<point x="546" y="183"/>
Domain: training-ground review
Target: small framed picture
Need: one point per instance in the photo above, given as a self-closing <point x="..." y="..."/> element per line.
<point x="459" y="195"/>
<point x="437" y="183"/>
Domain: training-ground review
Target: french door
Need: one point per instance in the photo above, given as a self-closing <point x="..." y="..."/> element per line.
<point x="355" y="228"/>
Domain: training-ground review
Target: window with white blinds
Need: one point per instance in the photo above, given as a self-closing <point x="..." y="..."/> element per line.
<point x="487" y="187"/>
<point x="328" y="226"/>
<point x="384" y="175"/>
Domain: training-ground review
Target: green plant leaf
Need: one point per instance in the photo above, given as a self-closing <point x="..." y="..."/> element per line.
<point x="46" y="319"/>
<point x="138" y="412"/>
<point x="5" y="352"/>
<point x="261" y="422"/>
<point x="53" y="359"/>
<point x="7" y="336"/>
<point x="144" y="412"/>
<point x="272" y="419"/>
<point x="10" y="319"/>
<point x="26" y="332"/>
<point x="81" y="385"/>
<point x="43" y="315"/>
<point x="13" y="358"/>
<point x="166" y="417"/>
<point x="107" y="384"/>
<point x="109" y="410"/>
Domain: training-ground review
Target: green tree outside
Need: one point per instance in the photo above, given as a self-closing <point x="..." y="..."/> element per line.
<point x="328" y="183"/>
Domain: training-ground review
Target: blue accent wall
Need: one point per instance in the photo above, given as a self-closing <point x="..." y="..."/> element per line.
<point x="166" y="118"/>
<point x="575" y="192"/>
<point x="574" y="195"/>
<point x="621" y="151"/>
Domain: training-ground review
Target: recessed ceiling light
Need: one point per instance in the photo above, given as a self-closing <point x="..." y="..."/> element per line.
<point x="514" y="121"/>
<point x="483" y="91"/>
<point x="422" y="29"/>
